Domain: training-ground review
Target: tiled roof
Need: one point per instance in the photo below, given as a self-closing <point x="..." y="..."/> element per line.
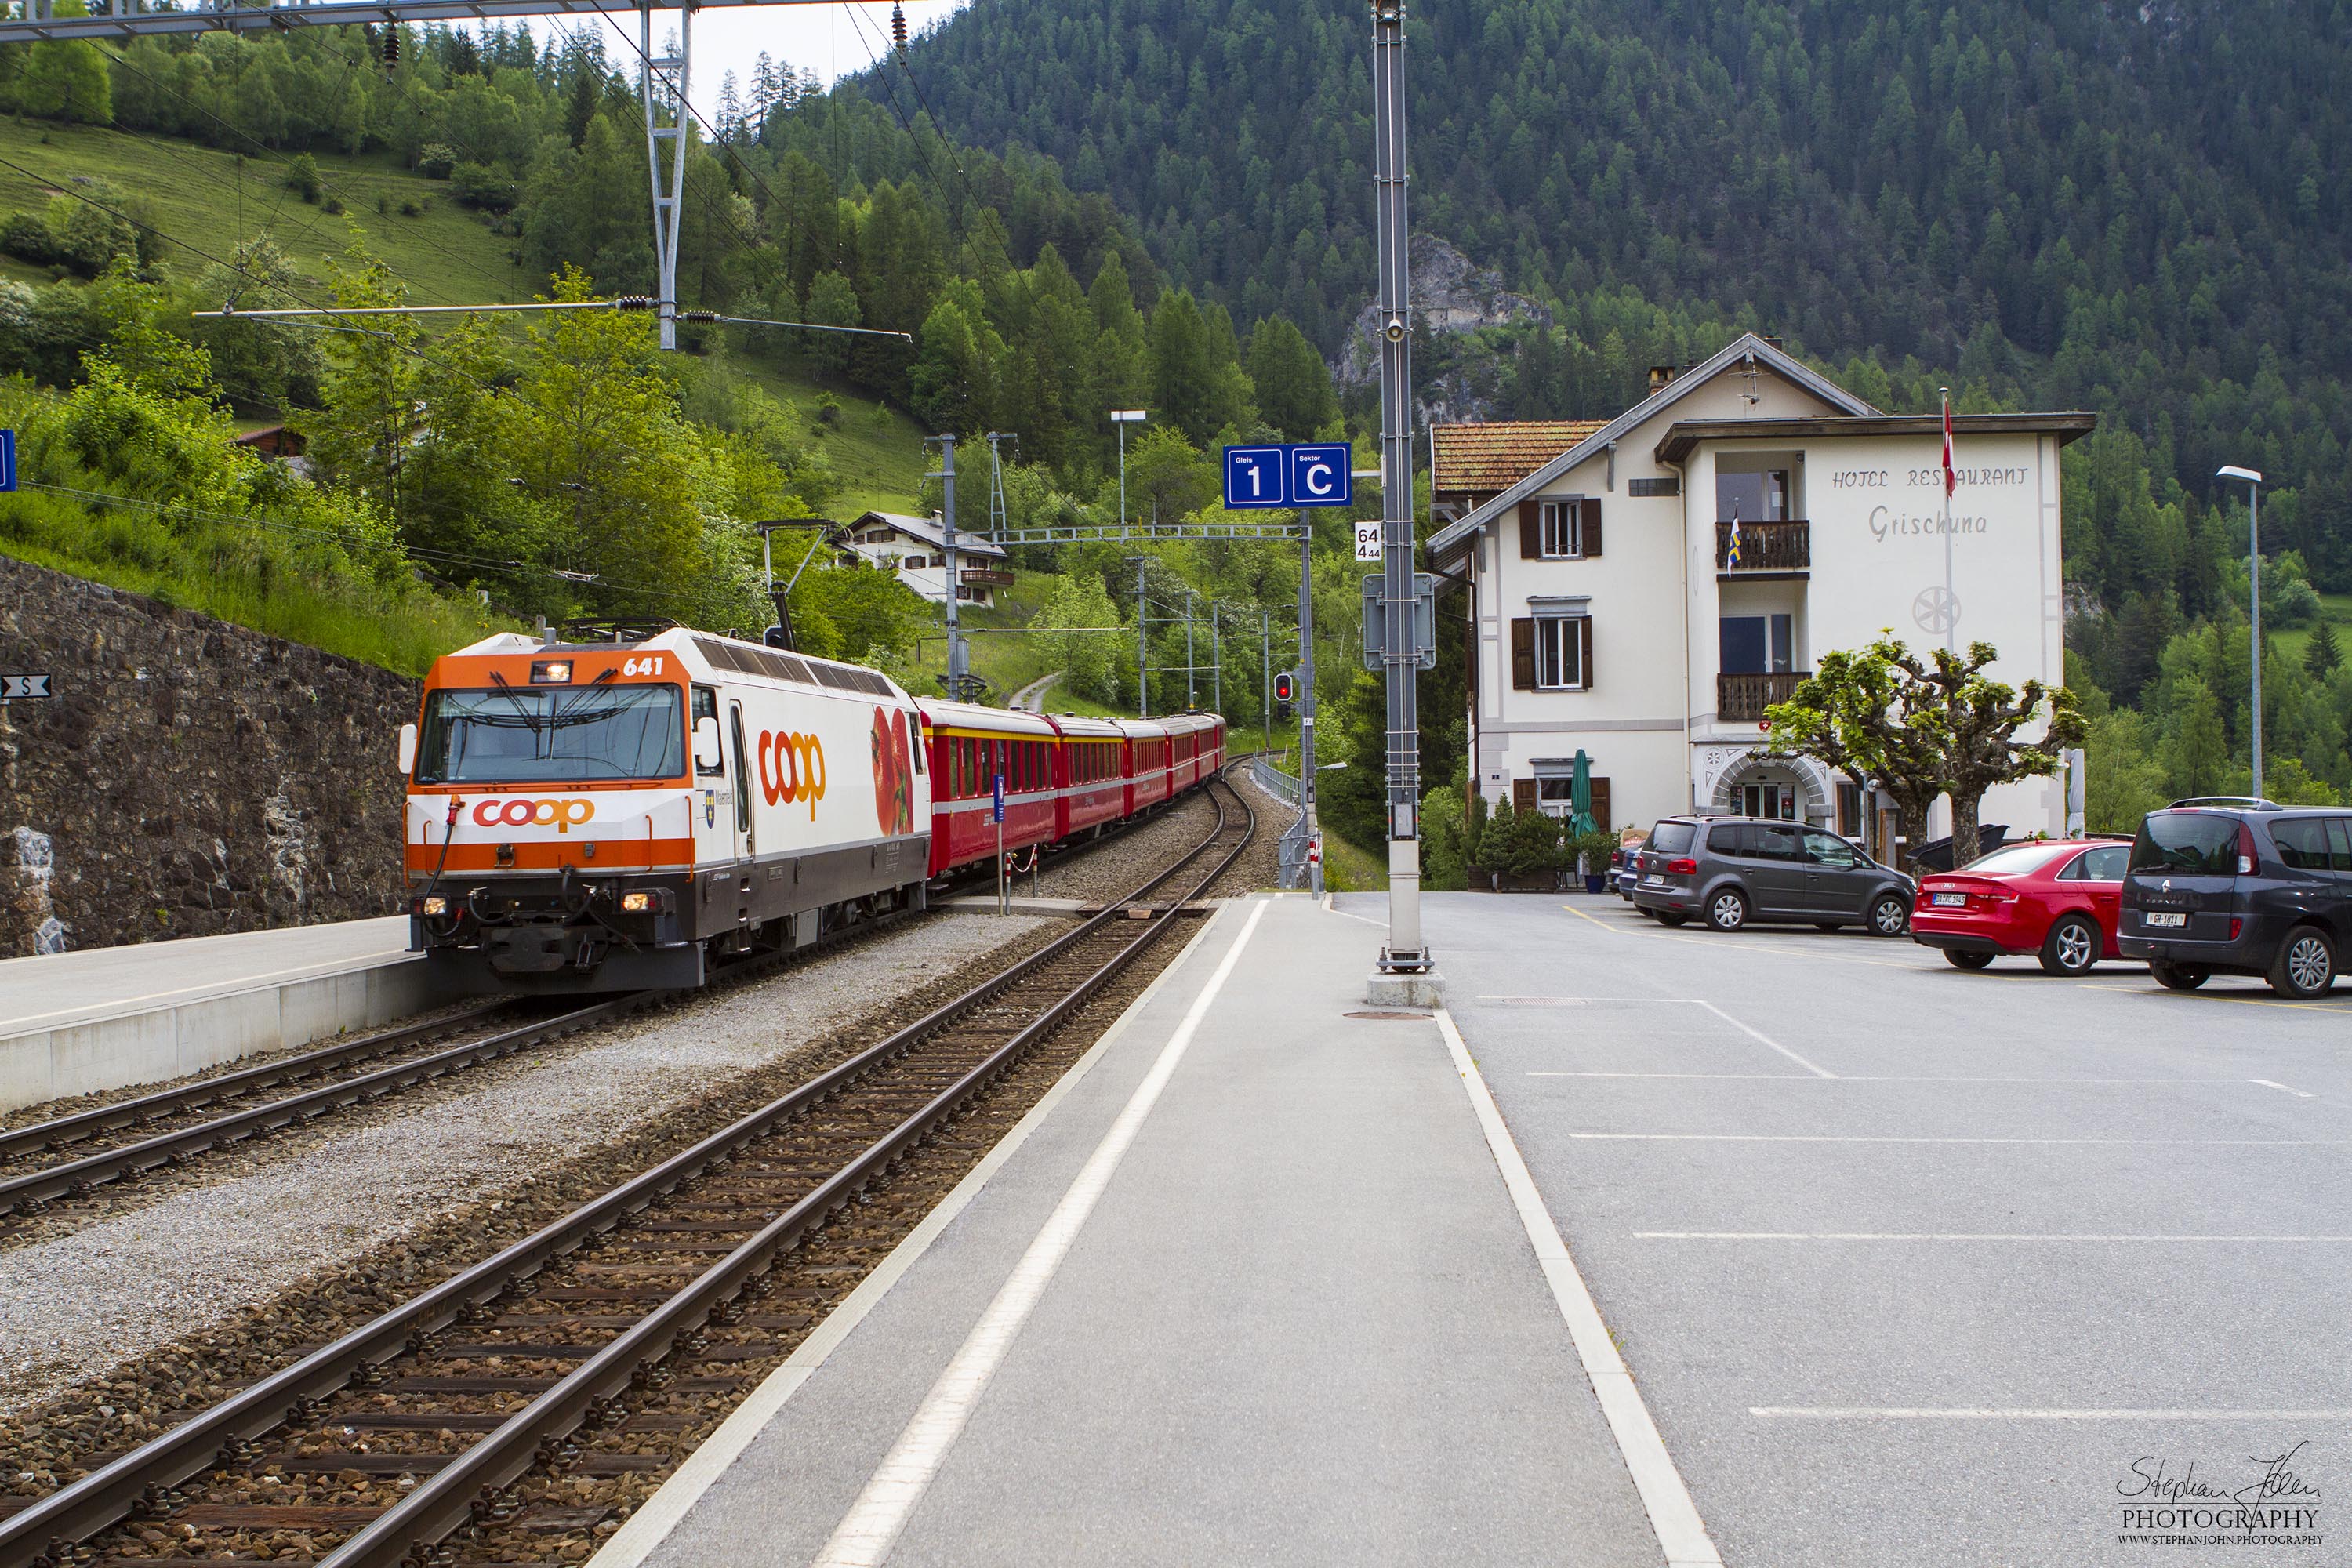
<point x="1480" y="459"/>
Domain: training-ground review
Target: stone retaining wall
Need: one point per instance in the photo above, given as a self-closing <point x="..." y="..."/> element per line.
<point x="188" y="776"/>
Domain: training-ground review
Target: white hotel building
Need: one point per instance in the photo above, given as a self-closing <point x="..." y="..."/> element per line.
<point x="1608" y="616"/>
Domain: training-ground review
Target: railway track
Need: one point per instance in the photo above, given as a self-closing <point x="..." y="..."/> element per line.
<point x="123" y="1140"/>
<point x="561" y="1361"/>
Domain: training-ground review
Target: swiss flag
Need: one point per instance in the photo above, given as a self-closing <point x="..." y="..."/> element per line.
<point x="1952" y="479"/>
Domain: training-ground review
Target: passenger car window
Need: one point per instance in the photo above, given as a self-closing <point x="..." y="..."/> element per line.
<point x="2302" y="843"/>
<point x="2104" y="863"/>
<point x="1731" y="839"/>
<point x="1829" y="849"/>
<point x="1770" y="841"/>
<point x="2339" y="844"/>
<point x="2195" y="843"/>
<point x="1673" y="838"/>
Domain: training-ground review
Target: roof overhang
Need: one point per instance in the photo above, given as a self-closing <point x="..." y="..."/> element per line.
<point x="1452" y="541"/>
<point x="1682" y="438"/>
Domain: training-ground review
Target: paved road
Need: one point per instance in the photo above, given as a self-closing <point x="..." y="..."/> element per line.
<point x="1919" y="1266"/>
<point x="1031" y="699"/>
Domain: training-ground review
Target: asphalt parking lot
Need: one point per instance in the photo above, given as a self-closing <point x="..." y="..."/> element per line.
<point x="1914" y="1266"/>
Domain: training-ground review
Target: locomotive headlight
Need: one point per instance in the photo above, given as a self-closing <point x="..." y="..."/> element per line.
<point x="640" y="902"/>
<point x="550" y="671"/>
<point x="435" y="905"/>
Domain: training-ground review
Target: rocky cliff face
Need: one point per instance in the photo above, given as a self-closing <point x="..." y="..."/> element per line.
<point x="188" y="777"/>
<point x="1451" y="296"/>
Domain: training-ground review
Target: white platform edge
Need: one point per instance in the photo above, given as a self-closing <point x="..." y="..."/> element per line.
<point x="661" y="1513"/>
<point x="1673" y="1516"/>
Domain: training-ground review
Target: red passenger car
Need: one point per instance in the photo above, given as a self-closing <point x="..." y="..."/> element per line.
<point x="1091" y="774"/>
<point x="968" y="747"/>
<point x="2055" y="899"/>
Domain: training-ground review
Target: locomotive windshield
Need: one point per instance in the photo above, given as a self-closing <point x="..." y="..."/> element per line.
<point x="538" y="734"/>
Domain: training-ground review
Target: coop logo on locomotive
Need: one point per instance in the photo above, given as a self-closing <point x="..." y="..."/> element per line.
<point x="792" y="769"/>
<point x="513" y="811"/>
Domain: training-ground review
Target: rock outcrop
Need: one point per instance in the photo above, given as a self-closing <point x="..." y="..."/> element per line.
<point x="1451" y="296"/>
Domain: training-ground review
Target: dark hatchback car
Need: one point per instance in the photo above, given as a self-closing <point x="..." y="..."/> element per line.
<point x="2239" y="887"/>
<point x="1734" y="871"/>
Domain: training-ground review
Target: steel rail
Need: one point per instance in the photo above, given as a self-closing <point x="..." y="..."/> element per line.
<point x="28" y="1193"/>
<point x="56" y="1134"/>
<point x="139" y="1483"/>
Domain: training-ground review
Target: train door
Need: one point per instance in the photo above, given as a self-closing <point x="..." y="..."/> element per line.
<point x="743" y="842"/>
<point x="713" y="804"/>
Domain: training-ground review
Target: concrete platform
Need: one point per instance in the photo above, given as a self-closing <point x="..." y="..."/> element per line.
<point x="76" y="1022"/>
<point x="1258" y="1282"/>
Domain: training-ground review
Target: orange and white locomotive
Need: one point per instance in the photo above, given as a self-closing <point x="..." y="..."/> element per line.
<point x="610" y="816"/>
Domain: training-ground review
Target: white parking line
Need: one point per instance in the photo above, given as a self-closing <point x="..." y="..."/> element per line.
<point x="1890" y="1077"/>
<point x="1763" y="1039"/>
<point x="1962" y="1236"/>
<point x="870" y="1528"/>
<point x="2282" y="1088"/>
<point x="1753" y="1033"/>
<point x="1920" y="1413"/>
<point x="1875" y="1138"/>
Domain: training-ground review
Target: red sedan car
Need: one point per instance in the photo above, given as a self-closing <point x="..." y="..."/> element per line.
<point x="2053" y="897"/>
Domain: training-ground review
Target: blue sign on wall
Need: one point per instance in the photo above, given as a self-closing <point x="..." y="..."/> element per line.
<point x="1289" y="475"/>
<point x="7" y="460"/>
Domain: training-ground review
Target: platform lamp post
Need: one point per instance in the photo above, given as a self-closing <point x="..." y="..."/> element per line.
<point x="1123" y="417"/>
<point x="2254" y="594"/>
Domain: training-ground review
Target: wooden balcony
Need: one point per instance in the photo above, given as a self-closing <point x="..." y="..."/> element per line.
<point x="1742" y="699"/>
<point x="987" y="576"/>
<point x="1766" y="547"/>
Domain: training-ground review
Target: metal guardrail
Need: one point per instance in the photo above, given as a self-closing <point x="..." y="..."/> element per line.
<point x="1290" y="850"/>
<point x="1273" y="780"/>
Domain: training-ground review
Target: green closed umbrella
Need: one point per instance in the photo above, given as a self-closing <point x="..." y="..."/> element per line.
<point x="1579" y="795"/>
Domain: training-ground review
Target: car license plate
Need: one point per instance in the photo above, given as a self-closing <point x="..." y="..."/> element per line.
<point x="1653" y="881"/>
<point x="1950" y="900"/>
<point x="2161" y="920"/>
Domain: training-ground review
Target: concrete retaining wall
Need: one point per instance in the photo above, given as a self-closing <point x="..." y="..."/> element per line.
<point x="88" y="1055"/>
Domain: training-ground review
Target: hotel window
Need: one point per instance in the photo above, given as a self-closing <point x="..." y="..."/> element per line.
<point x="1759" y="645"/>
<point x="1560" y="521"/>
<point x="1551" y="650"/>
<point x="1760" y="495"/>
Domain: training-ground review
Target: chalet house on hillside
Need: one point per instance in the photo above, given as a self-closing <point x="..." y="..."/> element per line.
<point x="1612" y="614"/>
<point x="916" y="549"/>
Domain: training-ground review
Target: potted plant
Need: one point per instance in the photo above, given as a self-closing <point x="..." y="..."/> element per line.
<point x="1593" y="851"/>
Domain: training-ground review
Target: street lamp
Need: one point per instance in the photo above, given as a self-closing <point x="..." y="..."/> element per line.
<point x="1123" y="417"/>
<point x="2254" y="576"/>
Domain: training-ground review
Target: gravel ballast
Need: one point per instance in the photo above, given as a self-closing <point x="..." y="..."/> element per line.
<point x="74" y="1308"/>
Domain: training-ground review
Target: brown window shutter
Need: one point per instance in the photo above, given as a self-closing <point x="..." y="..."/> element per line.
<point x="1523" y="794"/>
<point x="1600" y="817"/>
<point x="1530" y="530"/>
<point x="1523" y="653"/>
<point x="1591" y="529"/>
<point x="1584" y="629"/>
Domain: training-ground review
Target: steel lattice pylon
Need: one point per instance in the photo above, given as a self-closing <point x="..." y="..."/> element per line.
<point x="661" y="80"/>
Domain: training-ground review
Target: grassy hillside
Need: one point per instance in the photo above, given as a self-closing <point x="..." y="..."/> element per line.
<point x="213" y="199"/>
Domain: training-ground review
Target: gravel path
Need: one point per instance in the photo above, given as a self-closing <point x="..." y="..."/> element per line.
<point x="73" y="1308"/>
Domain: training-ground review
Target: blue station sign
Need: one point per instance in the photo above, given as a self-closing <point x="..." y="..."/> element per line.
<point x="1300" y="475"/>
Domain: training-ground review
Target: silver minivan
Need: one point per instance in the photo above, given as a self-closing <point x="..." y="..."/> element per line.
<point x="1733" y="871"/>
